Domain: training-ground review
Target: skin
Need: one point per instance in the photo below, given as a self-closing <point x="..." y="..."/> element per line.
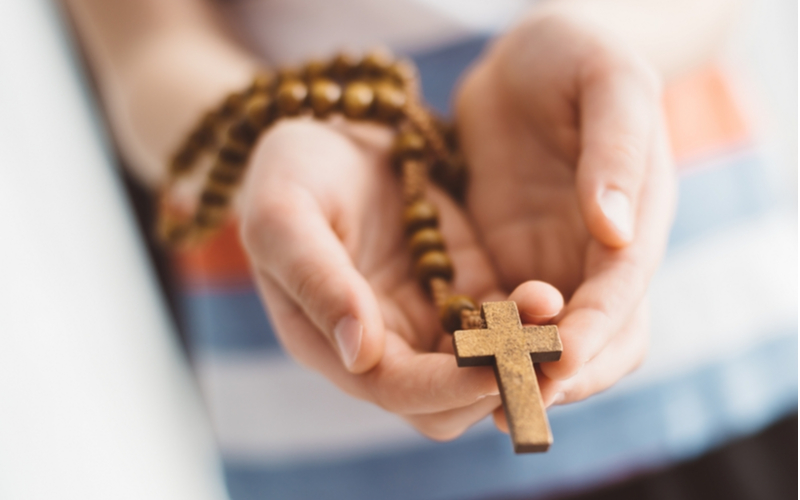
<point x="557" y="113"/>
<point x="567" y="115"/>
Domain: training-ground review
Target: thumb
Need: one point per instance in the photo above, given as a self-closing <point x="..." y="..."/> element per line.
<point x="618" y="112"/>
<point x="291" y="240"/>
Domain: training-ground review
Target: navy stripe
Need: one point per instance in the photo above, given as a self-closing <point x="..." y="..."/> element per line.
<point x="227" y="320"/>
<point x="440" y="69"/>
<point x="611" y="435"/>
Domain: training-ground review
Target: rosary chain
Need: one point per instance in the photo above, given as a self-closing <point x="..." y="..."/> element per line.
<point x="376" y="88"/>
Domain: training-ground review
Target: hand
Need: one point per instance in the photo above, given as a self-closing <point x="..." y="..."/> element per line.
<point x="571" y="184"/>
<point x="321" y="221"/>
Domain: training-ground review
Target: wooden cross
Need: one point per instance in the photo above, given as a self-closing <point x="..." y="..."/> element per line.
<point x="512" y="349"/>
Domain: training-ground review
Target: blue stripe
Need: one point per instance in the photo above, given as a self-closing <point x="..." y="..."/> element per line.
<point x="717" y="197"/>
<point x="440" y="69"/>
<point x="608" y="436"/>
<point x="227" y="320"/>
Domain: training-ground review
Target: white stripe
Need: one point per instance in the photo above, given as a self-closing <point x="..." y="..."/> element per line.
<point x="720" y="295"/>
<point x="266" y="407"/>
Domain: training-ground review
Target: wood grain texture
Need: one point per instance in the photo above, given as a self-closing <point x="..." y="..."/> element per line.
<point x="512" y="349"/>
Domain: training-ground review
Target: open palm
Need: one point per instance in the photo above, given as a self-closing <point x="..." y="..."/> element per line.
<point x="321" y="220"/>
<point x="571" y="184"/>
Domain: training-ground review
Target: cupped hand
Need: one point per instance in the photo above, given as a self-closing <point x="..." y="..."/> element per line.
<point x="321" y="218"/>
<point x="572" y="184"/>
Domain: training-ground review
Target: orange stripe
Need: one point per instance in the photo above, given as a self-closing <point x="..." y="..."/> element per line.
<point x="221" y="261"/>
<point x="702" y="115"/>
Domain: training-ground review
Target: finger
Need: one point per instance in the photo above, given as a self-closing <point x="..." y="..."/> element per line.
<point x="538" y="302"/>
<point x="289" y="237"/>
<point x="617" y="279"/>
<point x="617" y="103"/>
<point x="412" y="383"/>
<point x="621" y="356"/>
<point x="598" y="310"/>
<point x="500" y="420"/>
<point x="404" y="381"/>
<point x="448" y="425"/>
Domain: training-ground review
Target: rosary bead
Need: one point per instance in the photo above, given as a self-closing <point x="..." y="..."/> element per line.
<point x="259" y="111"/>
<point x="262" y="82"/>
<point x="315" y="69"/>
<point x="449" y="134"/>
<point x="242" y="132"/>
<point x="173" y="234"/>
<point x="183" y="160"/>
<point x="290" y="73"/>
<point x="419" y="215"/>
<point x="452" y="175"/>
<point x="325" y="96"/>
<point x="402" y="71"/>
<point x="433" y="264"/>
<point x="291" y="96"/>
<point x="230" y="154"/>
<point x="450" y="313"/>
<point x="209" y="217"/>
<point x="408" y="145"/>
<point x="389" y="100"/>
<point x="425" y="240"/>
<point x="231" y="105"/>
<point x="214" y="197"/>
<point x="415" y="176"/>
<point x="357" y="100"/>
<point x="225" y="176"/>
<point x="203" y="136"/>
<point x="343" y="66"/>
<point x="377" y="62"/>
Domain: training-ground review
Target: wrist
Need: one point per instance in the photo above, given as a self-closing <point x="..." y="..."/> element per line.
<point x="163" y="90"/>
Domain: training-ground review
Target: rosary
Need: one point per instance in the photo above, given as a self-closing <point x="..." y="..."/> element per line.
<point x="381" y="90"/>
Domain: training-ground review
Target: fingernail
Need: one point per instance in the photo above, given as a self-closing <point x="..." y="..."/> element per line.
<point x="616" y="206"/>
<point x="487" y="395"/>
<point x="558" y="399"/>
<point x="348" y="332"/>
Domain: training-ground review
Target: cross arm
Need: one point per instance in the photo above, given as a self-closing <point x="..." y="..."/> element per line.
<point x="543" y="343"/>
<point x="474" y="347"/>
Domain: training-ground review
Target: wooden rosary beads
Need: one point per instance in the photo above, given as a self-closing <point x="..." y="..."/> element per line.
<point x="384" y="91"/>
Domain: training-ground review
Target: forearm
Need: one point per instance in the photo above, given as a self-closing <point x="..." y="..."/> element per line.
<point x="159" y="66"/>
<point x="674" y="35"/>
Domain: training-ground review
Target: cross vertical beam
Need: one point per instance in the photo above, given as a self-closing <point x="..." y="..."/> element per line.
<point x="512" y="349"/>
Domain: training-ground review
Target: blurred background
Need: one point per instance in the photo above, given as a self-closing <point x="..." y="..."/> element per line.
<point x="128" y="373"/>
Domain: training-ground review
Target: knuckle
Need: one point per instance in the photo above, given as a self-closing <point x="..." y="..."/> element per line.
<point x="570" y="364"/>
<point x="627" y="154"/>
<point x="265" y="217"/>
<point x="376" y="389"/>
<point x="310" y="284"/>
<point x="578" y="392"/>
<point x="586" y="347"/>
